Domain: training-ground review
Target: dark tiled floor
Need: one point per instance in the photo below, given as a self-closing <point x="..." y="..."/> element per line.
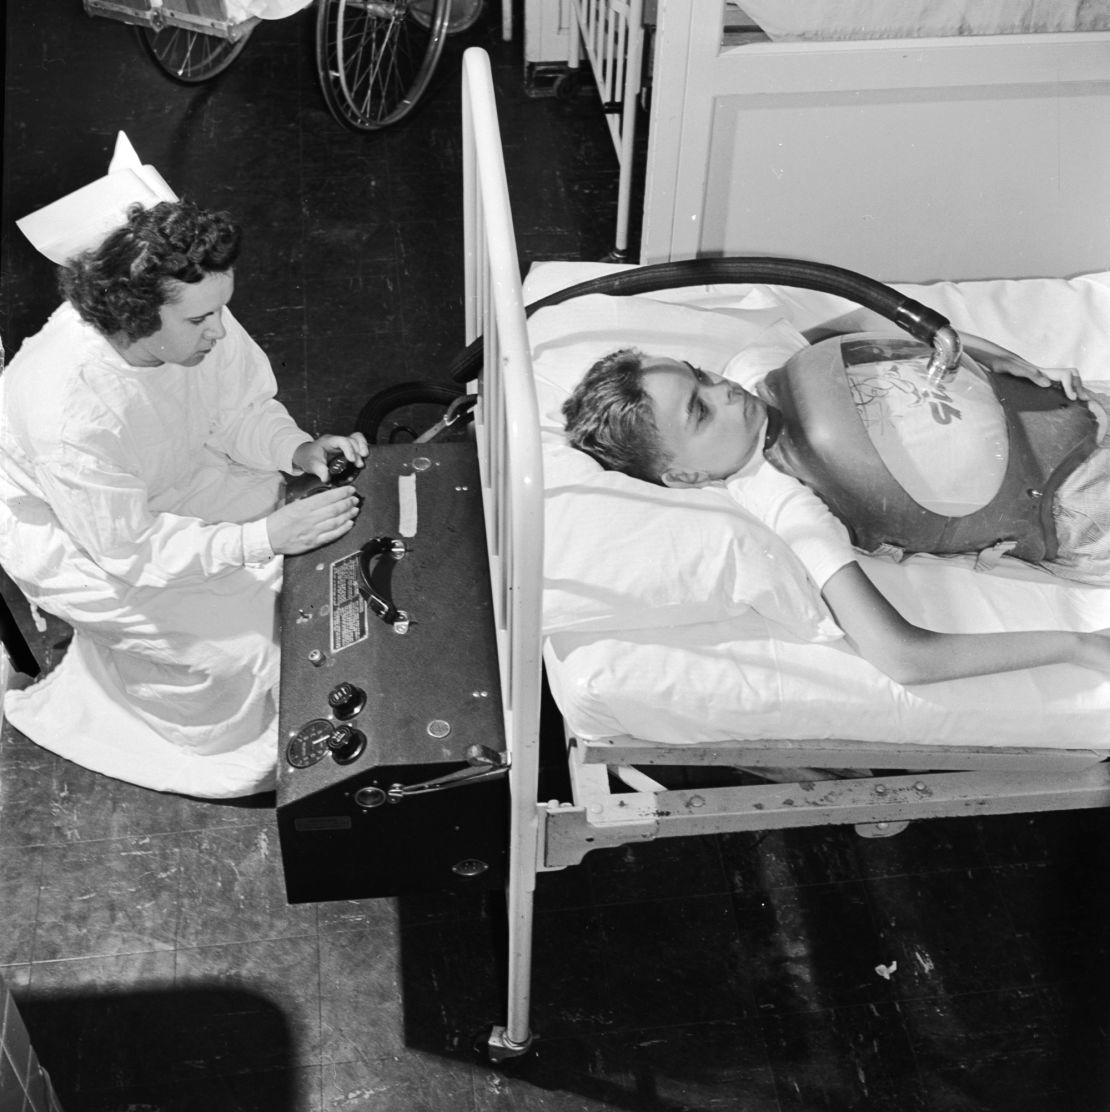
<point x="154" y="956"/>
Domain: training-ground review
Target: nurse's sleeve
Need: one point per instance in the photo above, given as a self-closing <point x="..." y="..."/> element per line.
<point x="103" y="509"/>
<point x="251" y="427"/>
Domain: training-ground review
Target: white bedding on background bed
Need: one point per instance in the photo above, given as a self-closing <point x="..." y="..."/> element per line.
<point x="884" y="19"/>
<point x="750" y="677"/>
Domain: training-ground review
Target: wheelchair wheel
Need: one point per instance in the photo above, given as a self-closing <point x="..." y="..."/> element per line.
<point x="190" y="57"/>
<point x="412" y="412"/>
<point x="376" y="57"/>
<point x="461" y="15"/>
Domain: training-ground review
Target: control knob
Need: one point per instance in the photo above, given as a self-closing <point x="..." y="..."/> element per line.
<point x="340" y="469"/>
<point x="346" y="700"/>
<point x="346" y="744"/>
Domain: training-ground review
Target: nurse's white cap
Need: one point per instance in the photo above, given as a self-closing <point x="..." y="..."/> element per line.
<point x="83" y="219"/>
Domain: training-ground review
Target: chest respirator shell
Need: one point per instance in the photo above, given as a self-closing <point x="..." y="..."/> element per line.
<point x="923" y="463"/>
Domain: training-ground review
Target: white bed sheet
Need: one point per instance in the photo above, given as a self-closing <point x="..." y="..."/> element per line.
<point x="714" y="682"/>
<point x="819" y="20"/>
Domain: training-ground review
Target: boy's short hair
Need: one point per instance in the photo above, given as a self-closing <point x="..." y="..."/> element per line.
<point x="610" y="417"/>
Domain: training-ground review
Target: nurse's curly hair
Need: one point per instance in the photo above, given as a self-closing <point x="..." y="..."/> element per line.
<point x="119" y="286"/>
<point x="609" y="416"/>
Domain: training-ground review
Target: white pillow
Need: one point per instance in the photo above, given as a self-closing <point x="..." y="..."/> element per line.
<point x="568" y="339"/>
<point x="622" y="554"/>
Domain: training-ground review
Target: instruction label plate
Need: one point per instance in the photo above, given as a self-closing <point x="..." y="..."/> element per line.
<point x="348" y="607"/>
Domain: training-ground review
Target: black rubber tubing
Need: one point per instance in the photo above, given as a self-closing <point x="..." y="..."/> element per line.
<point x="918" y="320"/>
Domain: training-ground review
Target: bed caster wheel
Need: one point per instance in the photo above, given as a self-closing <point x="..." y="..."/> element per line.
<point x="880" y="829"/>
<point x="567" y="85"/>
<point x="495" y="1047"/>
<point x="617" y="255"/>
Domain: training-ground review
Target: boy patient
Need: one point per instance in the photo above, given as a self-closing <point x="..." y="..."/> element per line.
<point x="670" y="423"/>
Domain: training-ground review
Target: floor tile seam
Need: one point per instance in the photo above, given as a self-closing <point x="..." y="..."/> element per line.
<point x="1013" y="933"/>
<point x="668" y="901"/>
<point x="897" y="997"/>
<point x="972" y="994"/>
<point x="105" y="839"/>
<point x="388" y="1056"/>
<point x="669" y="898"/>
<point x="865" y="878"/>
<point x="410" y="319"/>
<point x="1009" y="985"/>
<point x="371" y="335"/>
<point x="74" y="959"/>
<point x="38" y="903"/>
<point x="324" y="933"/>
<point x="41" y="880"/>
<point x="320" y="1018"/>
<point x="771" y="1014"/>
<point x="142" y="1089"/>
<point x="1001" y="863"/>
<point x="610" y="1031"/>
<point x="217" y="827"/>
<point x="907" y="874"/>
<point x="293" y="936"/>
<point x="183" y="981"/>
<point x="879" y="924"/>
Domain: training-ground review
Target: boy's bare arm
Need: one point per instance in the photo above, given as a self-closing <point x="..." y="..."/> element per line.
<point x="912" y="655"/>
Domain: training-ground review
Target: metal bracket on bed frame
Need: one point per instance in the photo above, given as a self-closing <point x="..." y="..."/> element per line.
<point x="831" y="753"/>
<point x="606" y="818"/>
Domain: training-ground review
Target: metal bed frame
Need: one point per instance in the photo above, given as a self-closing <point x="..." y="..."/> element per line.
<point x="933" y="781"/>
<point x="611" y="34"/>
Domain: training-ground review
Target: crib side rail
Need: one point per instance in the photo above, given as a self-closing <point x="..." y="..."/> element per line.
<point x="508" y="438"/>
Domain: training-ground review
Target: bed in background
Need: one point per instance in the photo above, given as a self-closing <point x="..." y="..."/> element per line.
<point x="756" y="684"/>
<point x="763" y="145"/>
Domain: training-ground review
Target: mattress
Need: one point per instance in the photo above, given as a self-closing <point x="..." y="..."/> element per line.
<point x="749" y="677"/>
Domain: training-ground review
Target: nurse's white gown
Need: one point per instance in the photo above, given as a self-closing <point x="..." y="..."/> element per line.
<point x="131" y="506"/>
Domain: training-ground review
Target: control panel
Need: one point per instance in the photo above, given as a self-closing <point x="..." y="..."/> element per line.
<point x="392" y="774"/>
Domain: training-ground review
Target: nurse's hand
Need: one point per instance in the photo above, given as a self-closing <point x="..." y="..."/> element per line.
<point x="312" y="456"/>
<point x="309" y="522"/>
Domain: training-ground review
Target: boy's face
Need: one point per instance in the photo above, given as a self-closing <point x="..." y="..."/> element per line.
<point x="709" y="426"/>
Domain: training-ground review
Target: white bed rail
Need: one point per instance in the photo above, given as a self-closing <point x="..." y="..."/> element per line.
<point x="611" y="32"/>
<point x="507" y="424"/>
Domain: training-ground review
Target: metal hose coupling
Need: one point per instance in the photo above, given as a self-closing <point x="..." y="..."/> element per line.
<point x="947" y="350"/>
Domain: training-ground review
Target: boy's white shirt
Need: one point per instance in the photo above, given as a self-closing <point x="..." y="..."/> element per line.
<point x="785" y="505"/>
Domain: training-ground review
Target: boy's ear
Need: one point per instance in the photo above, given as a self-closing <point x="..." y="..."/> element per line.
<point x="672" y="477"/>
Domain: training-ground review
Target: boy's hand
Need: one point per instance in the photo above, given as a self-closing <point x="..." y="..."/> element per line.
<point x="999" y="360"/>
<point x="1067" y="377"/>
<point x="312" y="456"/>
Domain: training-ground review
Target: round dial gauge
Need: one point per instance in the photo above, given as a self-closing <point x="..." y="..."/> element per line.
<point x="309" y="743"/>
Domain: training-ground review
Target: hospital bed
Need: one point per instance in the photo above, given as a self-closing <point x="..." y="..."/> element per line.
<point x="611" y="35"/>
<point x="663" y="666"/>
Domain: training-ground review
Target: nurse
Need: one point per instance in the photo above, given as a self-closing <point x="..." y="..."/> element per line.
<point x="141" y="458"/>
